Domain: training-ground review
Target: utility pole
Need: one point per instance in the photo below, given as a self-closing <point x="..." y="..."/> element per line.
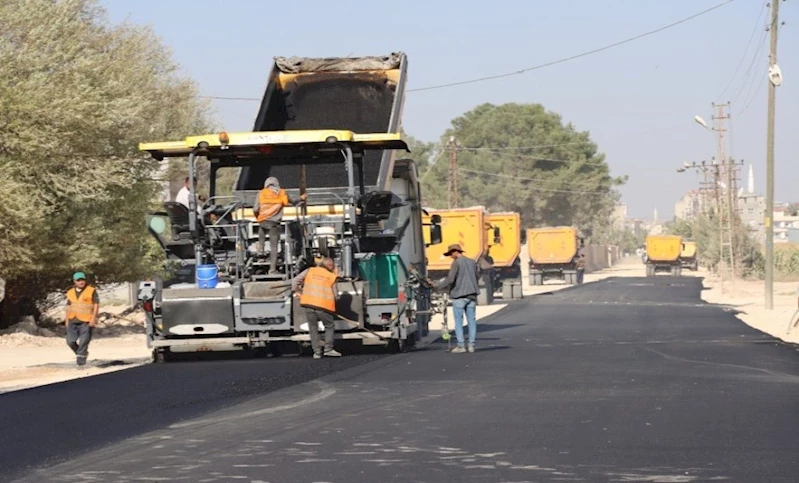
<point x="773" y="27"/>
<point x="452" y="198"/>
<point x="727" y="211"/>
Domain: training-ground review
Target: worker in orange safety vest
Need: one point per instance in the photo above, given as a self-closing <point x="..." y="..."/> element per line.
<point x="83" y="305"/>
<point x="316" y="289"/>
<point x="268" y="209"/>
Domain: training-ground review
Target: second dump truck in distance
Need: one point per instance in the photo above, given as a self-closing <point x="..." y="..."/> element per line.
<point x="688" y="256"/>
<point x="505" y="245"/>
<point x="553" y="254"/>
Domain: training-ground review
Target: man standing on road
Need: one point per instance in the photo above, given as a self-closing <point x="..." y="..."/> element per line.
<point x="83" y="305"/>
<point x="462" y="282"/>
<point x="268" y="209"/>
<point x="316" y="288"/>
<point x="580" y="268"/>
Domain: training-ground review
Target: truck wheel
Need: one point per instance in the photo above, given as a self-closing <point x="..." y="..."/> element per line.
<point x="398" y="346"/>
<point x="161" y="356"/>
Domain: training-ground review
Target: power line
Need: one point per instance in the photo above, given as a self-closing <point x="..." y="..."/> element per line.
<point x="535" y="67"/>
<point x="743" y="56"/>
<point x="753" y="96"/>
<point x="537" y="146"/>
<point x="519" y="178"/>
<point x="577" y="56"/>
<point x="536" y="158"/>
<point x="749" y="70"/>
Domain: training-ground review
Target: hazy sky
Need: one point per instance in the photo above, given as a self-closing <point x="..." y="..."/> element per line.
<point x="637" y="100"/>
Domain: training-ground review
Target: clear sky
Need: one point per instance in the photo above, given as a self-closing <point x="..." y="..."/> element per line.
<point x="637" y="100"/>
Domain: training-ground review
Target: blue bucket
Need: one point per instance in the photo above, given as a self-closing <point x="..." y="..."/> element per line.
<point x="207" y="276"/>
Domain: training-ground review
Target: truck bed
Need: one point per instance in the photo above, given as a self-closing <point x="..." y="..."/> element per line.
<point x="506" y="252"/>
<point x="552" y="245"/>
<point x="462" y="226"/>
<point x="363" y="95"/>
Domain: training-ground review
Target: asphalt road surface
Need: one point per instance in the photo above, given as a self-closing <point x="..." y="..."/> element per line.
<point x="620" y="380"/>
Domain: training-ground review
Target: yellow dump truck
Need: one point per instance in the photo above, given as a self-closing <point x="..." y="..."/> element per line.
<point x="505" y="238"/>
<point x="553" y="254"/>
<point x="663" y="254"/>
<point x="688" y="257"/>
<point x="463" y="226"/>
<point x="469" y="228"/>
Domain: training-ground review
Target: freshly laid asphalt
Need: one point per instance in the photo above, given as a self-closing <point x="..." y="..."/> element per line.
<point x="628" y="379"/>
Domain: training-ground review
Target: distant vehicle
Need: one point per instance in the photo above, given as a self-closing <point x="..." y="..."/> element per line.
<point x="505" y="237"/>
<point x="469" y="228"/>
<point x="553" y="254"/>
<point x="663" y="254"/>
<point x="688" y="256"/>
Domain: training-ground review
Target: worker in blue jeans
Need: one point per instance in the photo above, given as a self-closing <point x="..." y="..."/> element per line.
<point x="462" y="283"/>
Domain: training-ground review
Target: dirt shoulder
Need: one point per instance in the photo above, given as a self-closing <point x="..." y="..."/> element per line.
<point x="747" y="298"/>
<point x="42" y="357"/>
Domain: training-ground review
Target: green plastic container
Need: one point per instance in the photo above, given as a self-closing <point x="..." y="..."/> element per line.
<point x="382" y="272"/>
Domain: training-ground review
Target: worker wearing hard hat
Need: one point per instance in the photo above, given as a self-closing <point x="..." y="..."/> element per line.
<point x="316" y="288"/>
<point x="83" y="305"/>
<point x="268" y="209"/>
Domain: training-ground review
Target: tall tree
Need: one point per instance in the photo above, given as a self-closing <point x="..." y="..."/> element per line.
<point x="521" y="157"/>
<point x="76" y="96"/>
<point x="421" y="151"/>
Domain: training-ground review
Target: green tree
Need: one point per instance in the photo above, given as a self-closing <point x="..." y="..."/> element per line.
<point x="521" y="157"/>
<point x="422" y="152"/>
<point x="76" y="97"/>
<point x="683" y="228"/>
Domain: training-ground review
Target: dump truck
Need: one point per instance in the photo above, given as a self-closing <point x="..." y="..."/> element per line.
<point x="469" y="228"/>
<point x="505" y="238"/>
<point x="663" y="254"/>
<point x="329" y="129"/>
<point x="553" y="254"/>
<point x="688" y="257"/>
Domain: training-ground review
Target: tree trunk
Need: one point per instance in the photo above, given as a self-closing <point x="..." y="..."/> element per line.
<point x="15" y="306"/>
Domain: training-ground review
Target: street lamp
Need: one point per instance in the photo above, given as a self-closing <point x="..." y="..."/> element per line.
<point x="702" y="123"/>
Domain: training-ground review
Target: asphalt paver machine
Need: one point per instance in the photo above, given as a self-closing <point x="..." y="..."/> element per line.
<point x="374" y="234"/>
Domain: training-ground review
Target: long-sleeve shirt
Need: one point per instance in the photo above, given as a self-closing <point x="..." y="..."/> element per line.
<point x="462" y="279"/>
<point x="277" y="217"/>
<point x="297" y="281"/>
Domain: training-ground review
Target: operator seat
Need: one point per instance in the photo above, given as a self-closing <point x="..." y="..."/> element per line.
<point x="181" y="244"/>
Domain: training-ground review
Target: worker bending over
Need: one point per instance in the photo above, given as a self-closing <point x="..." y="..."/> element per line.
<point x="268" y="209"/>
<point x="316" y="288"/>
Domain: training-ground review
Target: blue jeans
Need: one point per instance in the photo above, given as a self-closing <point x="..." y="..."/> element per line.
<point x="469" y="306"/>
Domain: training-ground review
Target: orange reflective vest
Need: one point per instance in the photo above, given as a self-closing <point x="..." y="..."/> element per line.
<point x="81" y="308"/>
<point x="270" y="203"/>
<point x="318" y="290"/>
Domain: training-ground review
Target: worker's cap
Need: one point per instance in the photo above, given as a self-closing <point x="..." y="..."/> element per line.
<point x="78" y="276"/>
<point x="453" y="248"/>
